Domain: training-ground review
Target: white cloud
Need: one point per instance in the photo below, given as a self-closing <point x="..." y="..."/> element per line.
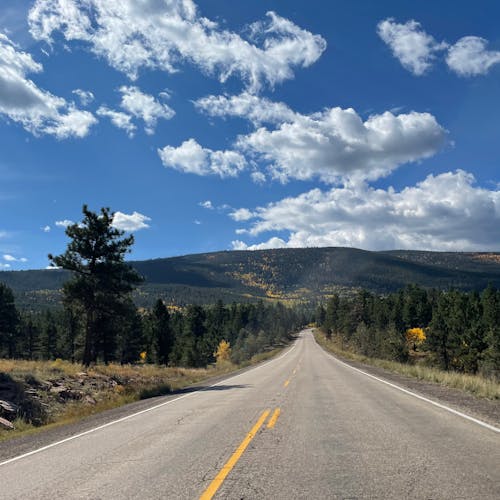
<point x="241" y="214"/>
<point x="191" y="158"/>
<point x="443" y="212"/>
<point x="258" y="177"/>
<point x="197" y="222"/>
<point x="118" y="119"/>
<point x="256" y="109"/>
<point x="133" y="35"/>
<point x="337" y="144"/>
<point x="273" y="242"/>
<point x="46" y="229"/>
<point x="86" y="97"/>
<point x="145" y="107"/>
<point x="206" y="204"/>
<point x="11" y="258"/>
<point x="130" y="222"/>
<point x="37" y="110"/>
<point x="332" y="144"/>
<point x="4" y="266"/>
<point x="63" y="223"/>
<point x="414" y="48"/>
<point x="470" y="57"/>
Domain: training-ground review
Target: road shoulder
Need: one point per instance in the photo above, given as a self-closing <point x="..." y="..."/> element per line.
<point x="483" y="409"/>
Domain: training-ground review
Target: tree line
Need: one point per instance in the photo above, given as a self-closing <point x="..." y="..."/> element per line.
<point x="163" y="335"/>
<point x="458" y="330"/>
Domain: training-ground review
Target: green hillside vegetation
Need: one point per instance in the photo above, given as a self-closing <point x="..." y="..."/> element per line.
<point x="282" y="274"/>
<point x="450" y="330"/>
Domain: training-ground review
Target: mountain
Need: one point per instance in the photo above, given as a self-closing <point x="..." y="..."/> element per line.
<point x="285" y="274"/>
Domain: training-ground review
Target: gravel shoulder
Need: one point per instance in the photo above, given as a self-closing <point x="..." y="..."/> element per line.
<point x="481" y="408"/>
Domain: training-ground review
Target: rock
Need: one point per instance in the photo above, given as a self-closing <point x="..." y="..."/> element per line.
<point x="7" y="406"/>
<point x="6" y="423"/>
<point x="89" y="400"/>
<point x="64" y="393"/>
<point x="58" y="389"/>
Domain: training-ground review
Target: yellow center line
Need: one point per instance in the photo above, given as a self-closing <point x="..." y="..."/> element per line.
<point x="219" y="479"/>
<point x="272" y="420"/>
<point x="286" y="383"/>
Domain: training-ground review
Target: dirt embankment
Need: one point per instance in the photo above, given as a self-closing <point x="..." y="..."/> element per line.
<point x="34" y="393"/>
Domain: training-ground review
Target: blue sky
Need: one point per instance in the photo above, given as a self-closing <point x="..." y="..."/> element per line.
<point x="222" y="125"/>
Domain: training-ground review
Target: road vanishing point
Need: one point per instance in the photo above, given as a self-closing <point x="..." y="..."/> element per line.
<point x="301" y="426"/>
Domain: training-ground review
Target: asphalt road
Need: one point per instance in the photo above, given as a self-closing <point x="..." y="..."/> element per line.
<point x="303" y="425"/>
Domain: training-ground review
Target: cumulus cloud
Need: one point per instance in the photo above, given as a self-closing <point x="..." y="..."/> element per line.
<point x="191" y="158"/>
<point x="130" y="222"/>
<point x="241" y="214"/>
<point x="4" y="266"/>
<point x="334" y="144"/>
<point x="145" y="107"/>
<point x="470" y="57"/>
<point x="118" y="119"/>
<point x="443" y="212"/>
<point x="11" y="258"/>
<point x="137" y="104"/>
<point x="155" y="34"/>
<point x="414" y="48"/>
<point x="258" y="110"/>
<point x="417" y="50"/>
<point x="86" y="97"/>
<point x="63" y="223"/>
<point x="337" y="144"/>
<point x="46" y="229"/>
<point x="206" y="204"/>
<point x="37" y="110"/>
<point x="273" y="242"/>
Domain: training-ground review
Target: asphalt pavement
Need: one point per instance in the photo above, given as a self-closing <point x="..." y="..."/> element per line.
<point x="301" y="426"/>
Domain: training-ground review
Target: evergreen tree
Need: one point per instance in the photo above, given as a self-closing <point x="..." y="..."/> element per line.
<point x="101" y="282"/>
<point x="49" y="337"/>
<point x="9" y="321"/>
<point x="163" y="340"/>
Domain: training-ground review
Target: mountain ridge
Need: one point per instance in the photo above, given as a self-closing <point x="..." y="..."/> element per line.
<point x="285" y="274"/>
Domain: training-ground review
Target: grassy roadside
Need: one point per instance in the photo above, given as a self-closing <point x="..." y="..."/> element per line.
<point x="474" y="384"/>
<point x="100" y="388"/>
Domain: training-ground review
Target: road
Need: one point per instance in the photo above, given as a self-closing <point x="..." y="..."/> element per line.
<point x="302" y="425"/>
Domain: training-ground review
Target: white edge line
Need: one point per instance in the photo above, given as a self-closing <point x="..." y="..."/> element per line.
<point x="127" y="417"/>
<point x="415" y="395"/>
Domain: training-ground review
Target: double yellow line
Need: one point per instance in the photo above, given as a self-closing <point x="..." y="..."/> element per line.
<point x="228" y="466"/>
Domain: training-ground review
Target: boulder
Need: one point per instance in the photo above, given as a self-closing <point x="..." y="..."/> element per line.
<point x="5" y="423"/>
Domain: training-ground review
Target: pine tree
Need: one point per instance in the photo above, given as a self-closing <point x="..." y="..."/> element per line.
<point x="102" y="281"/>
<point x="9" y="321"/>
<point x="163" y="340"/>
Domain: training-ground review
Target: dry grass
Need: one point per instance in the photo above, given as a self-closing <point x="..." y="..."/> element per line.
<point x="474" y="384"/>
<point x="131" y="383"/>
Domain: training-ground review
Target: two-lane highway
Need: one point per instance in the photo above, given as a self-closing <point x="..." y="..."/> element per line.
<point x="303" y="425"/>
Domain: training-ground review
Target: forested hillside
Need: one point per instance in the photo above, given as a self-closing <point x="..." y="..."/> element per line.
<point x="285" y="274"/>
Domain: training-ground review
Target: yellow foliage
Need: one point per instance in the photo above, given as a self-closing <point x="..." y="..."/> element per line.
<point x="223" y="352"/>
<point x="415" y="336"/>
<point x="143" y="355"/>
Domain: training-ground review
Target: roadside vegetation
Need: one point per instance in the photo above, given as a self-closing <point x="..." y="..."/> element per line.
<point x="52" y="393"/>
<point x="475" y="384"/>
<point x="449" y="337"/>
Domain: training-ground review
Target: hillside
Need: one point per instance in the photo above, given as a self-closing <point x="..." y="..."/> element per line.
<point x="288" y="274"/>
